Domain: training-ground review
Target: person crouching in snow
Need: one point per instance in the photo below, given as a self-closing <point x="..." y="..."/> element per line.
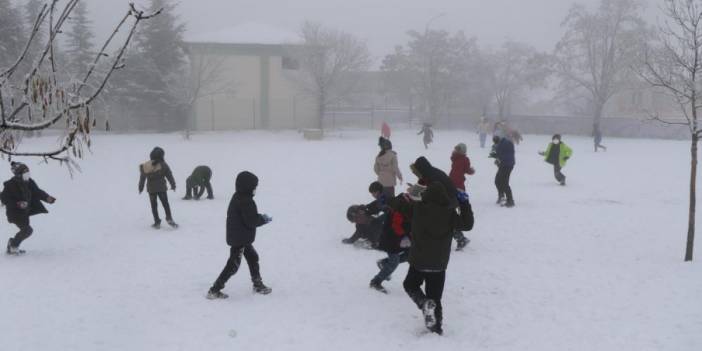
<point x="557" y="153"/>
<point x="154" y="173"/>
<point x="434" y="220"/>
<point x="395" y="240"/>
<point x="460" y="166"/>
<point x="242" y="220"/>
<point x="368" y="219"/>
<point x="198" y="181"/>
<point x="22" y="198"/>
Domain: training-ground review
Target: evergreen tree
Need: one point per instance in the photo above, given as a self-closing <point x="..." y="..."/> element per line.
<point x="79" y="44"/>
<point x="12" y="34"/>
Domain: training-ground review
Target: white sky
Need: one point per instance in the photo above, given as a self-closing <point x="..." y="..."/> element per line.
<point x="383" y="23"/>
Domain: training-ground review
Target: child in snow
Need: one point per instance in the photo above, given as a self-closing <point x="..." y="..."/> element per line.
<point x="22" y="198"/>
<point x="434" y="220"/>
<point x="242" y="220"/>
<point x="198" y="181"/>
<point x="557" y="153"/>
<point x="428" y="134"/>
<point x="504" y="155"/>
<point x="368" y="218"/>
<point x="460" y="166"/>
<point x="395" y="241"/>
<point x="154" y="173"/>
<point x="386" y="167"/>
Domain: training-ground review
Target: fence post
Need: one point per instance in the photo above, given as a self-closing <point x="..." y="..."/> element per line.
<point x="253" y="105"/>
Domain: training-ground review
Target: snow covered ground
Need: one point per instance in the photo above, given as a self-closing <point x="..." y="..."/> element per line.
<point x="596" y="265"/>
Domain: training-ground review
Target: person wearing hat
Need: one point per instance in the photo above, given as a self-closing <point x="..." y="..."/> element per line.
<point x="198" y="181"/>
<point x="386" y="167"/>
<point x="557" y="153"/>
<point x="154" y="174"/>
<point x="22" y="198"/>
<point x="460" y="166"/>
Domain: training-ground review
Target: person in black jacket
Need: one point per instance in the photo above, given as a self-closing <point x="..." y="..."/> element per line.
<point x="503" y="152"/>
<point x="154" y="173"/>
<point x="198" y="181"/>
<point x="395" y="240"/>
<point x="22" y="198"/>
<point x="368" y="219"/>
<point x="242" y="220"/>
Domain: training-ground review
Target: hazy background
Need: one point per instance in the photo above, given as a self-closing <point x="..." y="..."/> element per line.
<point x="382" y="23"/>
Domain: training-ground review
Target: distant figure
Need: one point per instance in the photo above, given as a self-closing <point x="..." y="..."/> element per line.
<point x="385" y="131"/>
<point x="154" y="173"/>
<point x="22" y="199"/>
<point x="428" y="134"/>
<point x="198" y="181"/>
<point x="386" y="167"/>
<point x="503" y="153"/>
<point x="597" y="135"/>
<point x="483" y="130"/>
<point x="557" y="153"/>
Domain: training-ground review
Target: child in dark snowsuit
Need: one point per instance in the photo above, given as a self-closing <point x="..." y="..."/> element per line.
<point x="22" y="198"/>
<point x="395" y="240"/>
<point x="242" y="220"/>
<point x="198" y="181"/>
<point x="154" y="173"/>
<point x="428" y="134"/>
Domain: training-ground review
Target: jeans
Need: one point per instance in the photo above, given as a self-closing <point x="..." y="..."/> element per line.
<point x="163" y="196"/>
<point x="234" y="262"/>
<point x="389" y="265"/>
<point x="433" y="289"/>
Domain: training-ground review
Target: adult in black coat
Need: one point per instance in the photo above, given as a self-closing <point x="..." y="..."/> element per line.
<point x="22" y="198"/>
<point x="154" y="173"/>
<point x="242" y="221"/>
<point x="198" y="181"/>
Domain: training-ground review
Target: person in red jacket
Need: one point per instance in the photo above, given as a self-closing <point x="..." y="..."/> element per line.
<point x="460" y="166"/>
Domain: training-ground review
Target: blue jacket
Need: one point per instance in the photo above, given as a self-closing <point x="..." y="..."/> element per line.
<point x="505" y="153"/>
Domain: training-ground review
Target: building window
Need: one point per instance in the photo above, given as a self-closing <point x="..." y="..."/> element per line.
<point x="290" y="63"/>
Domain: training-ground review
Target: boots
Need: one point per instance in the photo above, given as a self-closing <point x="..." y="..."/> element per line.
<point x="216" y="294"/>
<point x="428" y="308"/>
<point x="260" y="288"/>
<point x="376" y="285"/>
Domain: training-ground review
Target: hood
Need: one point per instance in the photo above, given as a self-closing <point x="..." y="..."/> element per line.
<point x="18" y="168"/>
<point x="436" y="195"/>
<point x="157" y="154"/>
<point x="246" y="182"/>
<point x="422" y="166"/>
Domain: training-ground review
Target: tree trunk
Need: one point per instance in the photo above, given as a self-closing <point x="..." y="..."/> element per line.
<point x="689" y="250"/>
<point x="321" y="110"/>
<point x="597" y="118"/>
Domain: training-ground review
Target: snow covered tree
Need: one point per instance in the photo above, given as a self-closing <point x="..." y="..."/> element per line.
<point x="40" y="100"/>
<point x="674" y="63"/>
<point x="598" y="49"/>
<point x="438" y="64"/>
<point x="31" y="11"/>
<point x="79" y="43"/>
<point x="329" y="63"/>
<point x="13" y="36"/>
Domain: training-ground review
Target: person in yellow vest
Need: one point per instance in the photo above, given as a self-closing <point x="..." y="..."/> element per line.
<point x="557" y="153"/>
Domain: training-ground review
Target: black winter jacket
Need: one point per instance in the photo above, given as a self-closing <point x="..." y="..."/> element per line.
<point x="242" y="216"/>
<point x="397" y="225"/>
<point x="430" y="174"/>
<point x="201" y="175"/>
<point x="17" y="190"/>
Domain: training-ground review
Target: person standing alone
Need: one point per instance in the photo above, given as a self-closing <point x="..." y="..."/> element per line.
<point x="557" y="153"/>
<point x="386" y="167"/>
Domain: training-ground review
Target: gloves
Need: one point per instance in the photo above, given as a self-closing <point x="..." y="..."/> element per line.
<point x="405" y="242"/>
<point x="462" y="197"/>
<point x="266" y="218"/>
<point x="22" y="205"/>
<point x="50" y="199"/>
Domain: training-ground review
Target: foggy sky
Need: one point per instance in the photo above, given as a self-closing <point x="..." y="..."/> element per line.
<point x="382" y="23"/>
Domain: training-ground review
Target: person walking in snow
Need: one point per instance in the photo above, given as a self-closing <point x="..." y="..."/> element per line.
<point x="22" y="198"/>
<point x="434" y="220"/>
<point x="395" y="240"/>
<point x="504" y="155"/>
<point x="386" y="167"/>
<point x="428" y="135"/>
<point x="597" y="136"/>
<point x="483" y="130"/>
<point x="154" y="173"/>
<point x="557" y="153"/>
<point x="242" y="221"/>
<point x="198" y="181"/>
<point x="460" y="166"/>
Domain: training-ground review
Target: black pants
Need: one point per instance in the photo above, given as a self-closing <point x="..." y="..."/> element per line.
<point x="502" y="182"/>
<point x="560" y="177"/>
<point x="433" y="289"/>
<point x="25" y="231"/>
<point x="458" y="235"/>
<point x="197" y="191"/>
<point x="233" y="263"/>
<point x="153" y="197"/>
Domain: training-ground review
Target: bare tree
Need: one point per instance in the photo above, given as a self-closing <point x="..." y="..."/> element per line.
<point x="41" y="100"/>
<point x="674" y="63"/>
<point x="513" y="69"/>
<point x="329" y="61"/>
<point x="598" y="49"/>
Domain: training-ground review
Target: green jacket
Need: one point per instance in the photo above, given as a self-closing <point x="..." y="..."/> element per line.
<point x="565" y="153"/>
